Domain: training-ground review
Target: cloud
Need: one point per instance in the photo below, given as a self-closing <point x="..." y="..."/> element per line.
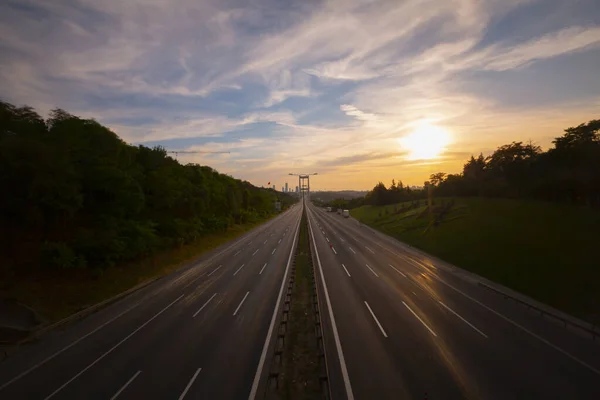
<point x="553" y="44"/>
<point x="356" y="159"/>
<point x="289" y="86"/>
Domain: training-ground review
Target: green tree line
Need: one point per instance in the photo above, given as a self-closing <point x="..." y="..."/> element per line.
<point x="74" y="195"/>
<point x="345" y="204"/>
<point x="396" y="193"/>
<point x="568" y="172"/>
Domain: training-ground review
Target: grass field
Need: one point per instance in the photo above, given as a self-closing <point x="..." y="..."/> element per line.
<point x="550" y="252"/>
<point x="55" y="297"/>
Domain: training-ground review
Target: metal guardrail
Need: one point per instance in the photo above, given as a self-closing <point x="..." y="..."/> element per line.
<point x="594" y="330"/>
<point x="542" y="312"/>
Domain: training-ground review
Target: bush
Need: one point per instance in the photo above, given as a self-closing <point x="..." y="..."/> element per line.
<point x="58" y="255"/>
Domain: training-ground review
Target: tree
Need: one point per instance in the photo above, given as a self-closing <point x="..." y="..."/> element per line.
<point x="583" y="134"/>
<point x="79" y="196"/>
<point x="569" y="172"/>
<point x="509" y="168"/>
<point x="474" y="175"/>
<point x="437" y="178"/>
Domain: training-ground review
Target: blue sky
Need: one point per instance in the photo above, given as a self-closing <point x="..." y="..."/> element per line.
<point x="302" y="86"/>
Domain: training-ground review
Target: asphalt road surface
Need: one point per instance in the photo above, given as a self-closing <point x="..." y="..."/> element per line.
<point x="397" y="327"/>
<point x="199" y="333"/>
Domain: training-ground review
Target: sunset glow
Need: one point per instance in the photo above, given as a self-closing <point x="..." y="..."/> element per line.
<point x="425" y="142"/>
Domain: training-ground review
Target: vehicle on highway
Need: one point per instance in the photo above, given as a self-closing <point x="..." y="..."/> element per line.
<point x="346" y="214"/>
<point x="339" y="211"/>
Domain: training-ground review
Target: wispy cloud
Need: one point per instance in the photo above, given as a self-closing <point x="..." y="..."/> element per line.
<point x="326" y="85"/>
<point x="554" y="44"/>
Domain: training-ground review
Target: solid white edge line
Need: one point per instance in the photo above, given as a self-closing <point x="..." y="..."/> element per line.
<point x="261" y="270"/>
<point x="125" y="385"/>
<point x="352" y="250"/>
<point x="240" y="305"/>
<point x="376" y="320"/>
<point x="189" y="385"/>
<point x="263" y="355"/>
<point x="367" y="247"/>
<point x="397" y="270"/>
<point x="555" y="347"/>
<point x="112" y="349"/>
<point x="374" y="273"/>
<point x="204" y="305"/>
<point x="419" y="318"/>
<point x="255" y="251"/>
<point x="216" y="269"/>
<point x="464" y="320"/>
<point x="44" y="361"/>
<point x="510" y="321"/>
<point x="541" y="339"/>
<point x="238" y="270"/>
<point x="336" y="335"/>
<point x="346" y="270"/>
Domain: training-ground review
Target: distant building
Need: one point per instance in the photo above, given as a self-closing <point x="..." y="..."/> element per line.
<point x="274" y="187"/>
<point x="286" y="187"/>
<point x="282" y="188"/>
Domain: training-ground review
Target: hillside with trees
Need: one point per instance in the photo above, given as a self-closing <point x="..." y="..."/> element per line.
<point x="76" y="196"/>
<point x="522" y="217"/>
<point x="568" y="172"/>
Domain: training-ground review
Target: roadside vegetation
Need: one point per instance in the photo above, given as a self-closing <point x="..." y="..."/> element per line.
<point x="547" y="251"/>
<point x="84" y="215"/>
<point x="522" y="217"/>
<point x="59" y="294"/>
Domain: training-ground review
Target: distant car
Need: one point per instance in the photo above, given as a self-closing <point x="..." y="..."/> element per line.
<point x="346" y="214"/>
<point x="339" y="211"/>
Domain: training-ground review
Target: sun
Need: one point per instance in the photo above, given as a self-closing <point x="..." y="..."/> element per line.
<point x="425" y="142"/>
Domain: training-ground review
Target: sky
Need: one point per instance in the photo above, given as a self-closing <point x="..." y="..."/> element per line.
<point x="358" y="91"/>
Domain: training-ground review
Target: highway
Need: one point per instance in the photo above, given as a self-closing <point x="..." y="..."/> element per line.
<point x="197" y="333"/>
<point x="395" y="327"/>
<point x="398" y="327"/>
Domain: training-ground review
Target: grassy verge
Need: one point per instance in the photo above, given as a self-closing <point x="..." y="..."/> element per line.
<point x="547" y="251"/>
<point x="300" y="362"/>
<point x="55" y="297"/>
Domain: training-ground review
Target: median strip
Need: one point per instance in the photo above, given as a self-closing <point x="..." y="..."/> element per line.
<point x="298" y="369"/>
